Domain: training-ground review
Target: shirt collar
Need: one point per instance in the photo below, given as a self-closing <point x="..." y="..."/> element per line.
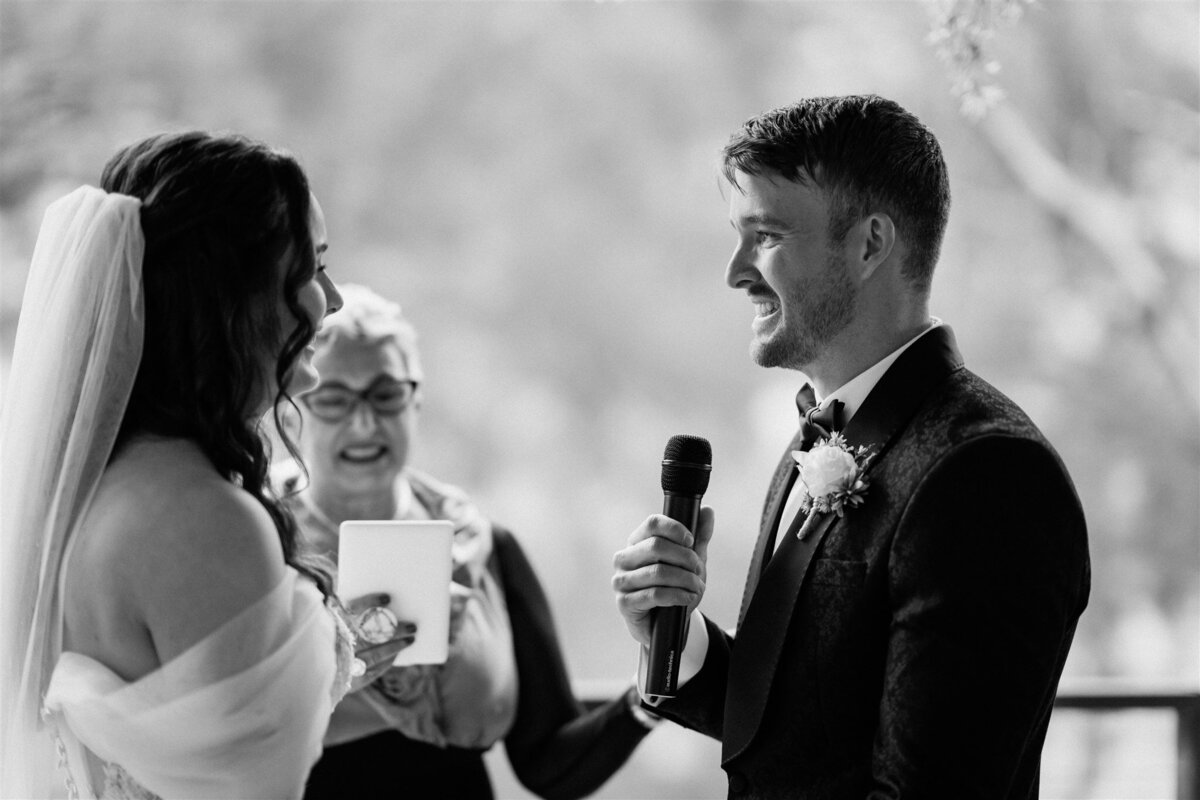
<point x="855" y="391"/>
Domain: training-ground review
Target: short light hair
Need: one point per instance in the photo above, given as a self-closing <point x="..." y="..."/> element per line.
<point x="367" y="318"/>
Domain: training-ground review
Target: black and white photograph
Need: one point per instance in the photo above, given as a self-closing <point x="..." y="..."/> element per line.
<point x="624" y="399"/>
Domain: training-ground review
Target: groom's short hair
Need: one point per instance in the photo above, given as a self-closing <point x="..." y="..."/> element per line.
<point x="868" y="154"/>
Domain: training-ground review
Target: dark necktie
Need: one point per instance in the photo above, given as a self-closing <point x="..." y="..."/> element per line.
<point x="817" y="422"/>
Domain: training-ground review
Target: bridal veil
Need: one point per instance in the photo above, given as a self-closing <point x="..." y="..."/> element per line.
<point x="76" y="353"/>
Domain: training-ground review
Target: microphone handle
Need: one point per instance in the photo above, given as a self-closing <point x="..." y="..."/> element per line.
<point x="667" y="624"/>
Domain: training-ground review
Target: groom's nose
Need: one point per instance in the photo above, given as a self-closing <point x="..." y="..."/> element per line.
<point x="741" y="269"/>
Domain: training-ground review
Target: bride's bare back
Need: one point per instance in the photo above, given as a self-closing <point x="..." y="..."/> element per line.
<point x="167" y="552"/>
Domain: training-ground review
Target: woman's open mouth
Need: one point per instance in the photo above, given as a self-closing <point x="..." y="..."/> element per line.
<point x="363" y="453"/>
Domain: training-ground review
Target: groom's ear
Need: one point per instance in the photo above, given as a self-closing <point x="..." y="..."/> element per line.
<point x="874" y="238"/>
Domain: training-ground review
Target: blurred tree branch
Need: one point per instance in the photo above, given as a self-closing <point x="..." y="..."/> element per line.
<point x="960" y="33"/>
<point x="1103" y="216"/>
<point x="1106" y="219"/>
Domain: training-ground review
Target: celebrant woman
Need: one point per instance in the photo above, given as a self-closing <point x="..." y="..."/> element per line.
<point x="421" y="731"/>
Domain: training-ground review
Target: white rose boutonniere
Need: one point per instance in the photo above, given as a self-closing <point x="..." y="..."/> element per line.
<point x="831" y="475"/>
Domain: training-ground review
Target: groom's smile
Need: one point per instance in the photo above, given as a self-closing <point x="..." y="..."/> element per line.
<point x="766" y="315"/>
<point x="764" y="308"/>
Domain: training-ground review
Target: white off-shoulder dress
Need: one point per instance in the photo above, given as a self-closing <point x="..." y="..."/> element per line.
<point x="240" y="714"/>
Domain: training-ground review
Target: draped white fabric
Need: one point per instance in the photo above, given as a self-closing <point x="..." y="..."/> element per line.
<point x="77" y="348"/>
<point x="240" y="714"/>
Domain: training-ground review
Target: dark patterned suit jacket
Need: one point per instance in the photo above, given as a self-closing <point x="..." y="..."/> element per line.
<point x="911" y="648"/>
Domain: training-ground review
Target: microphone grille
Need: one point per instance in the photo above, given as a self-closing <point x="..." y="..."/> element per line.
<point x="686" y="465"/>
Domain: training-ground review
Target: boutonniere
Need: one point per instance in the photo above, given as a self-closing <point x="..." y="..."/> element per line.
<point x="831" y="475"/>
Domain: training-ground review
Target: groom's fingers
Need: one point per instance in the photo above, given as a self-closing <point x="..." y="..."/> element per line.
<point x="657" y="551"/>
<point x="662" y="527"/>
<point x="657" y="584"/>
<point x="704" y="532"/>
<point x="658" y="568"/>
<point x="643" y="600"/>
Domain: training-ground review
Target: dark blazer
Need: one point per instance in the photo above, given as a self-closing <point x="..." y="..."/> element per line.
<point x="556" y="748"/>
<point x="912" y="647"/>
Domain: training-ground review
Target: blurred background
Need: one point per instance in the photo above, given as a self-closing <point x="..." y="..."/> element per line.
<point x="536" y="183"/>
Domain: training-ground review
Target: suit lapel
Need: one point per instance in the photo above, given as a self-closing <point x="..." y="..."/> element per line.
<point x="902" y="390"/>
<point x="769" y="603"/>
<point x="761" y="636"/>
<point x="781" y="484"/>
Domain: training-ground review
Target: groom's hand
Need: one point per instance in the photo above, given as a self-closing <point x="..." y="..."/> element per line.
<point x="662" y="565"/>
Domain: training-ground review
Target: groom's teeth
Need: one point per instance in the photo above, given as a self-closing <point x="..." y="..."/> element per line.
<point x="765" y="309"/>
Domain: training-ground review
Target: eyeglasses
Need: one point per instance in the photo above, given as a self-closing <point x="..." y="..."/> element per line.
<point x="387" y="397"/>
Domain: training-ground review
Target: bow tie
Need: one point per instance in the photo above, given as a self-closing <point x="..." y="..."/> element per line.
<point x="817" y="422"/>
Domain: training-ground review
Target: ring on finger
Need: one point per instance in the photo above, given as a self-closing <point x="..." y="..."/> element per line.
<point x="377" y="624"/>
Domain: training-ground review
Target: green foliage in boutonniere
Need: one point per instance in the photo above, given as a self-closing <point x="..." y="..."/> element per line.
<point x="831" y="475"/>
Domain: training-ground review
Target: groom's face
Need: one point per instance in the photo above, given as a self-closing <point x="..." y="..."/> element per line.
<point x="792" y="271"/>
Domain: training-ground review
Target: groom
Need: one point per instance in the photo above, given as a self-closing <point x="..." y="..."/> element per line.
<point x="909" y="605"/>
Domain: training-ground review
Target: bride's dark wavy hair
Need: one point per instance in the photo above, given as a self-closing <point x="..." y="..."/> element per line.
<point x="221" y="214"/>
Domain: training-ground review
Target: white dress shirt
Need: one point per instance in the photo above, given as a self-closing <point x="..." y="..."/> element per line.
<point x="851" y="394"/>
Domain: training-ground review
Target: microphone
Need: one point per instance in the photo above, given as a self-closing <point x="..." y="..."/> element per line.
<point x="686" y="465"/>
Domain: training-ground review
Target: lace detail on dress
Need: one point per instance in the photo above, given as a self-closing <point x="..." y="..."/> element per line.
<point x="343" y="645"/>
<point x="241" y="713"/>
<point x="63" y="759"/>
<point x="120" y="785"/>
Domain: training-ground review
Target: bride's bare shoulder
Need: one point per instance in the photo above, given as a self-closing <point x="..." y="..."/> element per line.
<point x="167" y="489"/>
<point x="176" y="540"/>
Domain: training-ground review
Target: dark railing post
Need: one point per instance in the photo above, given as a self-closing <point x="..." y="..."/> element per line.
<point x="1098" y="695"/>
<point x="1187" y="780"/>
<point x="1115" y="695"/>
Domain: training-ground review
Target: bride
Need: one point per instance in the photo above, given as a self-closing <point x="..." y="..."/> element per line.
<point x="156" y="611"/>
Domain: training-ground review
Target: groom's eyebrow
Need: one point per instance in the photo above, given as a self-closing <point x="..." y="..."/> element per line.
<point x="758" y="219"/>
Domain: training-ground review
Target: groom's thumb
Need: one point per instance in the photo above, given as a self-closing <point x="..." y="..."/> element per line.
<point x="703" y="532"/>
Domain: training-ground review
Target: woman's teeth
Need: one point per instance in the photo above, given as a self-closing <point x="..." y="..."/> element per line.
<point x="363" y="453"/>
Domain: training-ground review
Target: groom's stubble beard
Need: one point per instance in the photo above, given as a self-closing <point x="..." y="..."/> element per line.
<point x="816" y="311"/>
